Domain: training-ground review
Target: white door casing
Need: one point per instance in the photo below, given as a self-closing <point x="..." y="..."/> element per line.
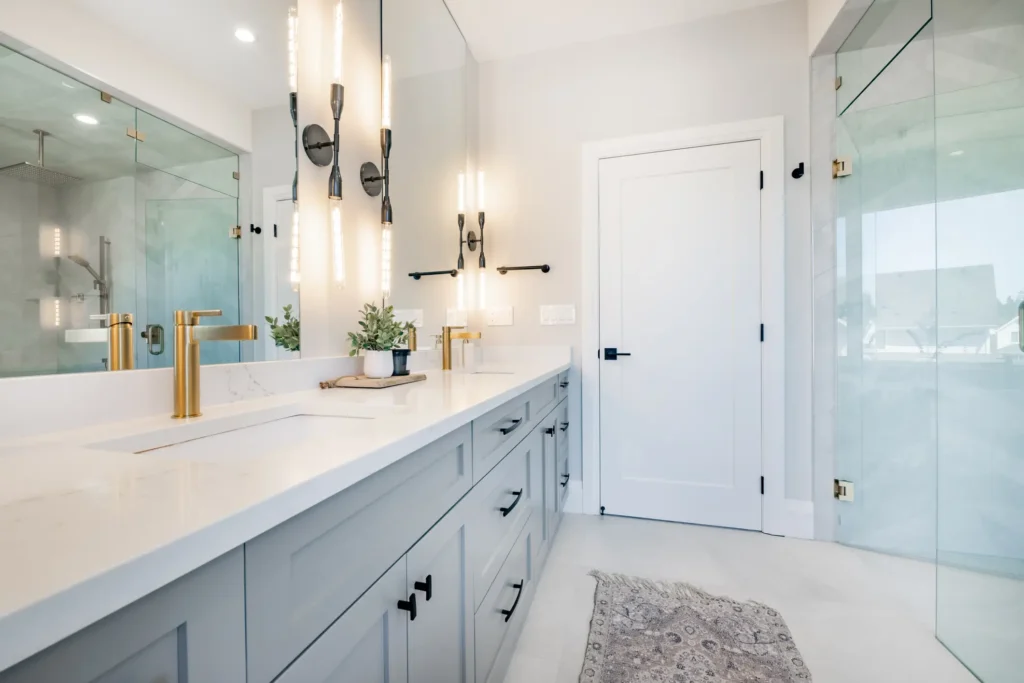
<point x="780" y="515"/>
<point x="276" y="290"/>
<point x="680" y="291"/>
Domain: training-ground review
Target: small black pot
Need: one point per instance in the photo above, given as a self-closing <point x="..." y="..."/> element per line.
<point x="401" y="357"/>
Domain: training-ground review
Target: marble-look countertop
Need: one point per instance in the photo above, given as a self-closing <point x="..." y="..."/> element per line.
<point x="86" y="530"/>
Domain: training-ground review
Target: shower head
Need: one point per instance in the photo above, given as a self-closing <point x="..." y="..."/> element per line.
<point x="74" y="258"/>
<point x="37" y="172"/>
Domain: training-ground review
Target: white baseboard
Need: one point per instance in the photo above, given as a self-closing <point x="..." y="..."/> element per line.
<point x="799" y="522"/>
<point x="574" y="503"/>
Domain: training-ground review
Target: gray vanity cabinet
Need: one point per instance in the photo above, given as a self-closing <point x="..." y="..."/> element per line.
<point x="190" y="630"/>
<point x="545" y="482"/>
<point x="368" y="644"/>
<point x="441" y="636"/>
<point x="303" y="574"/>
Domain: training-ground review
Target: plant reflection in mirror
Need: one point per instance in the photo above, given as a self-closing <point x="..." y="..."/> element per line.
<point x="286" y="334"/>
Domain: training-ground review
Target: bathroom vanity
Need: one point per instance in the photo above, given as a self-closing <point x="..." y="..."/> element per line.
<point x="319" y="536"/>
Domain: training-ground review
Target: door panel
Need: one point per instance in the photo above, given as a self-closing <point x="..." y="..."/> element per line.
<point x="680" y="293"/>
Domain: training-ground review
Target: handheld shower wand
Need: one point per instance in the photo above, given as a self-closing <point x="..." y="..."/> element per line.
<point x="101" y="280"/>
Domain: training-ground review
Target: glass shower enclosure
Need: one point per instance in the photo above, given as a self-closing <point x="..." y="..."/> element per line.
<point x="105" y="208"/>
<point x="930" y="309"/>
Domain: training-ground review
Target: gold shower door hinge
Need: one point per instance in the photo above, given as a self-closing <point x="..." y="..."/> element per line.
<point x="106" y="97"/>
<point x="136" y="135"/>
<point x="843" y="490"/>
<point x="236" y="232"/>
<point x="839" y="82"/>
<point x="236" y="175"/>
<point x="842" y="167"/>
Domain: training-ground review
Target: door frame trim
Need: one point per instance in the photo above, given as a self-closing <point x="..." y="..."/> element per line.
<point x="778" y="515"/>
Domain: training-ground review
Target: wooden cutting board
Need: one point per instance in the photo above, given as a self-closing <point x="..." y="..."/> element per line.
<point x="364" y="382"/>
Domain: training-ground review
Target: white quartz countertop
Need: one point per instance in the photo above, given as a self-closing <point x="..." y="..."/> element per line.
<point x="86" y="529"/>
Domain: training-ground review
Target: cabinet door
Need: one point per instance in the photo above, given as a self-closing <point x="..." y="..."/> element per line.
<point x="441" y="636"/>
<point x="368" y="644"/>
<point x="191" y="630"/>
<point x="546" y="470"/>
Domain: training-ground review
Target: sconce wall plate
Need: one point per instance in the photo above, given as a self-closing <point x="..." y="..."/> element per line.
<point x="472" y="240"/>
<point x="372" y="180"/>
<point x="318" y="145"/>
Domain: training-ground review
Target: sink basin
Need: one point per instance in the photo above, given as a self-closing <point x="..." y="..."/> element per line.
<point x="235" y="442"/>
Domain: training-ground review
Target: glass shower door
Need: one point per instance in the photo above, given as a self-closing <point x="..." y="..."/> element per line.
<point x="979" y="75"/>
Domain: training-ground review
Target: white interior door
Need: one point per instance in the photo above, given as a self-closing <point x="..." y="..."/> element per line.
<point x="278" y="291"/>
<point x="680" y="246"/>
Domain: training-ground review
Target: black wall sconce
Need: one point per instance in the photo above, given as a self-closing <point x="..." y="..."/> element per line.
<point x="374" y="182"/>
<point x="471" y="240"/>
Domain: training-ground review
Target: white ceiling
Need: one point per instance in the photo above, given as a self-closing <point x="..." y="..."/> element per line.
<point x="197" y="36"/>
<point x="497" y="29"/>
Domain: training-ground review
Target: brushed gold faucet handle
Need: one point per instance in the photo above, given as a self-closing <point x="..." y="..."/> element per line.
<point x="207" y="313"/>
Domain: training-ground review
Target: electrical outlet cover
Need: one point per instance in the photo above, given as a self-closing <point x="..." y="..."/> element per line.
<point x="499" y="317"/>
<point x="410" y="315"/>
<point x="456" y="318"/>
<point x="564" y="314"/>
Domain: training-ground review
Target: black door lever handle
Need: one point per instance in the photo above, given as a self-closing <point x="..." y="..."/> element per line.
<point x="613" y="353"/>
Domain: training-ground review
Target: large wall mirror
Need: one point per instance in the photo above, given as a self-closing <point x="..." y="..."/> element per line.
<point x="433" y="123"/>
<point x="115" y="199"/>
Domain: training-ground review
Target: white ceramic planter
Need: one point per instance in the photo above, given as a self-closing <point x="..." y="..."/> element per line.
<point x="378" y="364"/>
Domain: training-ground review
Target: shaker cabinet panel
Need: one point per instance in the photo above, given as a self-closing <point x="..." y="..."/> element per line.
<point x="441" y="636"/>
<point x="303" y="574"/>
<point x="191" y="630"/>
<point x="545" y="482"/>
<point x="368" y="644"/>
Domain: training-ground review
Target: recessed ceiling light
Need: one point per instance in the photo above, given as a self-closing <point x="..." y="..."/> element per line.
<point x="86" y="119"/>
<point x="245" y="35"/>
<point x="957" y="153"/>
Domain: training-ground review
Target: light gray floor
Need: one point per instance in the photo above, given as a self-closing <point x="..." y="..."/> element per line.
<point x="857" y="616"/>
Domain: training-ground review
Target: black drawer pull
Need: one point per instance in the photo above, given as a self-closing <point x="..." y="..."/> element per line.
<point x="565" y="483"/>
<point x="505" y="511"/>
<point x="409" y="606"/>
<point x="565" y="426"/>
<point x="550" y="431"/>
<point x="426" y="586"/>
<point x="505" y="431"/>
<point x="509" y="612"/>
<point x="564" y="385"/>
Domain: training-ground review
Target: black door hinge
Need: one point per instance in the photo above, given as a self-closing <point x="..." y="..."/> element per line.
<point x="762" y="333"/>
<point x="602" y="509"/>
<point x="762" y="180"/>
<point x="762" y="486"/>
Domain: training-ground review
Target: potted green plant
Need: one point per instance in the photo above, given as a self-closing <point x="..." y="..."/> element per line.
<point x="286" y="334"/>
<point x="379" y="334"/>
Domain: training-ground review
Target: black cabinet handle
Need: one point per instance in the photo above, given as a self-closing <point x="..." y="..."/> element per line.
<point x="564" y="385"/>
<point x="505" y="431"/>
<point x="409" y="606"/>
<point x="550" y="431"/>
<point x="565" y="426"/>
<point x="426" y="586"/>
<point x="565" y="482"/>
<point x="509" y="612"/>
<point x="505" y="511"/>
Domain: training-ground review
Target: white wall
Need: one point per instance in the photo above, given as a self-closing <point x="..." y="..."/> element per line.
<point x="537" y="110"/>
<point x="829" y="22"/>
<point x="72" y="40"/>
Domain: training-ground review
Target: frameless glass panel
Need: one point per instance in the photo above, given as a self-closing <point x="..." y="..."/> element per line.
<point x="191" y="261"/>
<point x="886" y="310"/>
<point x="176" y="151"/>
<point x="979" y="75"/>
<point x="67" y="245"/>
<point x="883" y="31"/>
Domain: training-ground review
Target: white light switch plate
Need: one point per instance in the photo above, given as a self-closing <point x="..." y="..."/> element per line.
<point x="410" y="315"/>
<point x="456" y="318"/>
<point x="499" y="317"/>
<point x="564" y="314"/>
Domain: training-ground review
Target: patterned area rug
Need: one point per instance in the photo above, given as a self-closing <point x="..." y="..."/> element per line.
<point x="648" y="632"/>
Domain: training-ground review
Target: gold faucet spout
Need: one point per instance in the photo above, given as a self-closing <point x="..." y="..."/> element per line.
<point x="446" y="343"/>
<point x="188" y="333"/>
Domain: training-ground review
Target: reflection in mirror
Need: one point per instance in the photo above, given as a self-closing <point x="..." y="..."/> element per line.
<point x="428" y="74"/>
<point x="113" y="201"/>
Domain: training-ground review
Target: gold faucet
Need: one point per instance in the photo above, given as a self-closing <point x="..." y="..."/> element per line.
<point x="446" y="343"/>
<point x="187" y="335"/>
<point x="120" y="340"/>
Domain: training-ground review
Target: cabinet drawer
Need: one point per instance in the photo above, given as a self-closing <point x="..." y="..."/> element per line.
<point x="542" y="398"/>
<point x="301" y="575"/>
<point x="563" y="481"/>
<point x="499" y="507"/>
<point x="190" y="630"/>
<point x="563" y="427"/>
<point x="563" y="385"/>
<point x="368" y="644"/>
<point x="509" y="594"/>
<point x="497" y="432"/>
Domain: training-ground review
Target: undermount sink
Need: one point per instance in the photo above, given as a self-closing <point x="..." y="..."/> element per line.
<point x="246" y="435"/>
